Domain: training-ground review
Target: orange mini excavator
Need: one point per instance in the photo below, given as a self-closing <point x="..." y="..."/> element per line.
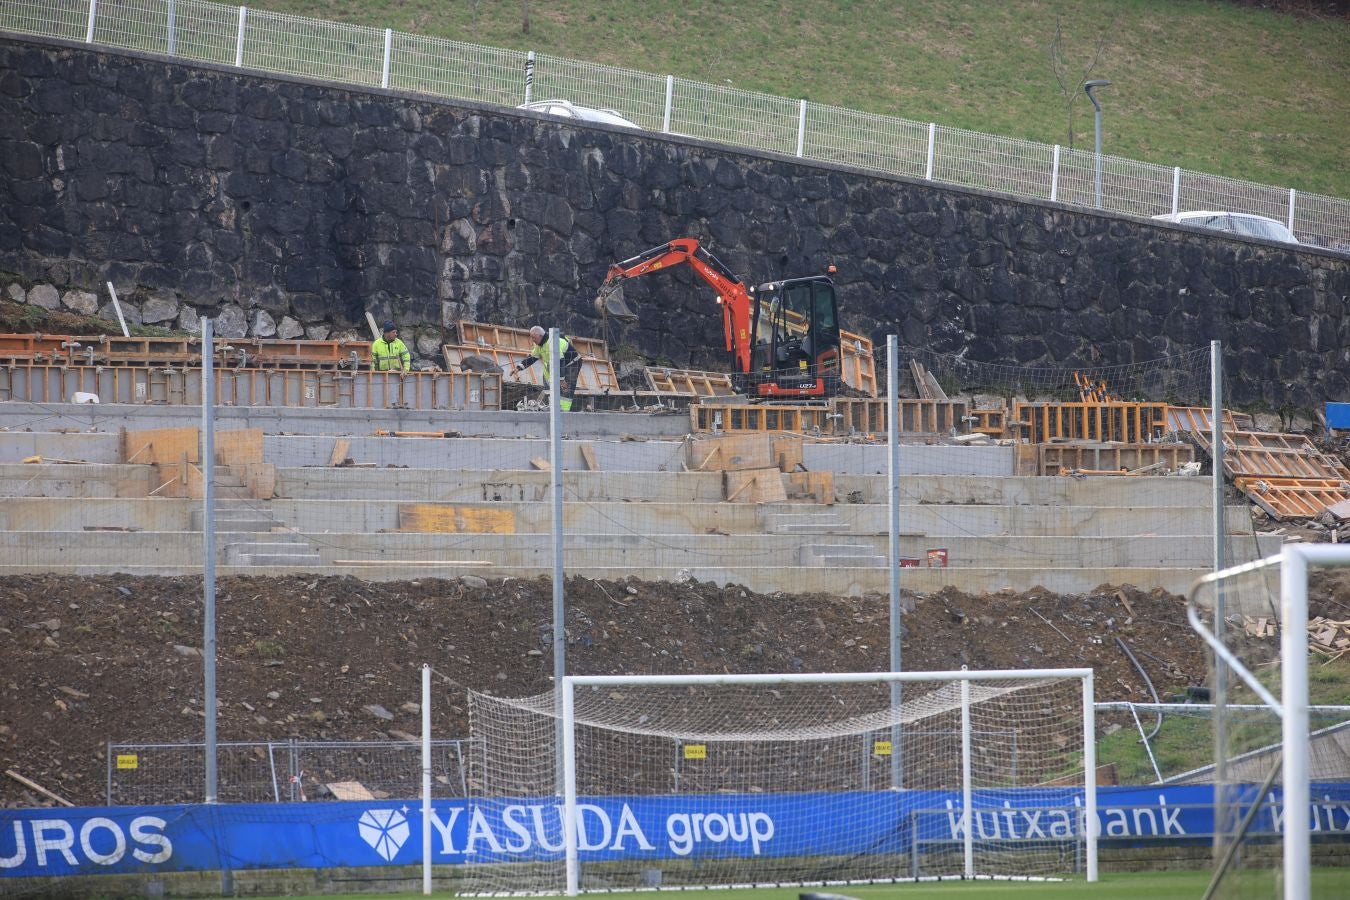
<point x="783" y="336"/>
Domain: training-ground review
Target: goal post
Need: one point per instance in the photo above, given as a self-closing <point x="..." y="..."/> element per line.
<point x="726" y="780"/>
<point x="1263" y="844"/>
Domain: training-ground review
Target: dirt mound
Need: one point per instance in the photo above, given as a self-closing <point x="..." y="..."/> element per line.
<point x="84" y="661"/>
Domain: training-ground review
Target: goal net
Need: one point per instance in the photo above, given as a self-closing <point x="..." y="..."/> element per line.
<point x="702" y="781"/>
<point x="1273" y="755"/>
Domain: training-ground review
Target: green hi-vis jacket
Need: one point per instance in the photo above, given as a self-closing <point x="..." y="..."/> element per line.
<point x="386" y="355"/>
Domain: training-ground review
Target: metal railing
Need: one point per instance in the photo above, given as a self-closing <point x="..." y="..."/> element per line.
<point x="351" y="54"/>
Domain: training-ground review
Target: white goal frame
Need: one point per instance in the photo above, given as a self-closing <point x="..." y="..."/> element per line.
<point x="568" y="734"/>
<point x="1294" y="561"/>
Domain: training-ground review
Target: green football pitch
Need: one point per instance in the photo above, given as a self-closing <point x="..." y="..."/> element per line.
<point x="1123" y="886"/>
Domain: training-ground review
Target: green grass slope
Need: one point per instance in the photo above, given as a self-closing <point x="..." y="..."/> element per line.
<point x="1203" y="84"/>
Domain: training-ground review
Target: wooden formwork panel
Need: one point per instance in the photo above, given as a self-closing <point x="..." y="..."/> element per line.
<point x="1057" y="459"/>
<point x="1262" y="454"/>
<point x="1198" y="418"/>
<point x="26" y="347"/>
<point x="1130" y="423"/>
<point x="857" y="366"/>
<point x="731" y="417"/>
<point x="112" y="350"/>
<point x="865" y="416"/>
<point x="253" y="387"/>
<point x="1294" y="498"/>
<point x="596" y="376"/>
<point x="688" y="382"/>
<point x="992" y="422"/>
<point x="844" y="416"/>
<point x="505" y="337"/>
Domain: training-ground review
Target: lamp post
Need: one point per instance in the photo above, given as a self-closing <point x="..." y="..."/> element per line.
<point x="1087" y="87"/>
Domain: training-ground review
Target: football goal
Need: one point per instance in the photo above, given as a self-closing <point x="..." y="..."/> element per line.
<point x="1274" y="774"/>
<point x="623" y="782"/>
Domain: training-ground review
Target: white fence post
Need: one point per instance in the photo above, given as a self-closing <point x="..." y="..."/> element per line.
<point x="89" y="32"/>
<point x="173" y="37"/>
<point x="801" y="128"/>
<point x="1176" y="189"/>
<point x="932" y="141"/>
<point x="1054" y="176"/>
<point x="1292" y="192"/>
<point x="529" y="75"/>
<point x="239" y="43"/>
<point x="670" y="99"/>
<point x="388" y="44"/>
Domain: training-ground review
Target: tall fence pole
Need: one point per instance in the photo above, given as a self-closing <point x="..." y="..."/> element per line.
<point x="89" y="31"/>
<point x="426" y="780"/>
<point x="529" y="75"/>
<point x="801" y="128"/>
<point x="1221" y="787"/>
<point x="893" y="494"/>
<point x="556" y="492"/>
<point x="932" y="145"/>
<point x="1054" y="176"/>
<point x="208" y="464"/>
<point x="670" y="100"/>
<point x="1176" y="189"/>
<point x="1292" y="194"/>
<point x="239" y="41"/>
<point x="388" y="46"/>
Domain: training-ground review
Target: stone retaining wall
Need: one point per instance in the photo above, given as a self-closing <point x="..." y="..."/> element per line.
<point x="287" y="208"/>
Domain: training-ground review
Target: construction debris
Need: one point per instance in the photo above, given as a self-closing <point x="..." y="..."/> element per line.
<point x="1329" y="636"/>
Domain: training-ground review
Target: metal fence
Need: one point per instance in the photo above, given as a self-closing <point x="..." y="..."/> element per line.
<point x="289" y="771"/>
<point x="350" y="54"/>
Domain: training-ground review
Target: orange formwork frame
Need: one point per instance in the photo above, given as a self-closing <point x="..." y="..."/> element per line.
<point x="37" y="383"/>
<point x="1130" y="423"/>
<point x="842" y="417"/>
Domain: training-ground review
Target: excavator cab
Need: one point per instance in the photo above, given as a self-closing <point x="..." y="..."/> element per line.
<point x="796" y="349"/>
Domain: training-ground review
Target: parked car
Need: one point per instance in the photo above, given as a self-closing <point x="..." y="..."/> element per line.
<point x="570" y="110"/>
<point x="1247" y="224"/>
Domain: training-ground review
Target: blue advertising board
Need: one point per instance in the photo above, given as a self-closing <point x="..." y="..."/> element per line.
<point x="51" y="842"/>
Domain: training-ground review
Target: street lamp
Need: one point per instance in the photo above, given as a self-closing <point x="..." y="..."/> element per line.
<point x="1087" y="87"/>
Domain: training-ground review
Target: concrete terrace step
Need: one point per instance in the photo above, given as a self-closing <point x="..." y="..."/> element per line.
<point x="659" y="550"/>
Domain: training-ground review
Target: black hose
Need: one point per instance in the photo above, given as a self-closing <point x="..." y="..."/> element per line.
<point x="1157" y="726"/>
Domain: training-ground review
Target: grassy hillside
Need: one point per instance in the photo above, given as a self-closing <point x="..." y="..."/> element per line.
<point x="1203" y="84"/>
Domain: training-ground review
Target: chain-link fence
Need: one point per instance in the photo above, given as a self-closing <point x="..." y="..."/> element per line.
<point x="350" y="54"/>
<point x="288" y="771"/>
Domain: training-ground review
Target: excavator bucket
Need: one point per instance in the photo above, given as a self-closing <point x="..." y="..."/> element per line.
<point x="609" y="303"/>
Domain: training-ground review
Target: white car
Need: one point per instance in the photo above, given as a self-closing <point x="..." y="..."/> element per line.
<point x="1248" y="224"/>
<point x="570" y="110"/>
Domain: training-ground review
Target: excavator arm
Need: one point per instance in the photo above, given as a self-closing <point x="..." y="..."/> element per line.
<point x="735" y="300"/>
